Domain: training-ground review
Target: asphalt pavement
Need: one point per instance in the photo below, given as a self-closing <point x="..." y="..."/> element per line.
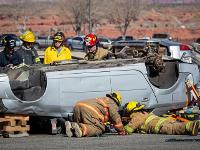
<point x="107" y="141"/>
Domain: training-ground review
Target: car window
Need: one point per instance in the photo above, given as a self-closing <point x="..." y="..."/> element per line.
<point x="120" y="38"/>
<point x="78" y="39"/>
<point x="162" y="36"/>
<point x="103" y="40"/>
<point x="129" y="38"/>
<point x="42" y="37"/>
<point x="126" y="38"/>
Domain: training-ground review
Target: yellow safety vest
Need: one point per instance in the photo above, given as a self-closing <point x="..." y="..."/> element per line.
<point x="51" y="55"/>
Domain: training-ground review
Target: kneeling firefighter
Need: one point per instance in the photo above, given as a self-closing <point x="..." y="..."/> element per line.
<point x="90" y="116"/>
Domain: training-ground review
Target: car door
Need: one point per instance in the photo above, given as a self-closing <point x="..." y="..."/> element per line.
<point x="79" y="85"/>
<point x="131" y="82"/>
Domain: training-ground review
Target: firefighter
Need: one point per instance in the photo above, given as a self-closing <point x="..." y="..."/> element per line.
<point x="28" y="50"/>
<point x="57" y="52"/>
<point x="144" y="122"/>
<point x="93" y="51"/>
<point x="9" y="57"/>
<point x="90" y="116"/>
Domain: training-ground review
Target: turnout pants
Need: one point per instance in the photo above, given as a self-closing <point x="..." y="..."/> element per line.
<point x="90" y="124"/>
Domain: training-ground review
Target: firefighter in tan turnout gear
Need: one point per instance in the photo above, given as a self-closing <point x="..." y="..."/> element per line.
<point x="93" y="51"/>
<point x="144" y="122"/>
<point x="90" y="116"/>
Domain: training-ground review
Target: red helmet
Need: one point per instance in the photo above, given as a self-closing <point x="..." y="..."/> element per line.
<point x="90" y="39"/>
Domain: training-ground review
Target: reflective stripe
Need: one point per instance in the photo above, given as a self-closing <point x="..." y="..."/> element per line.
<point x="106" y="117"/>
<point x="85" y="131"/>
<point x="128" y="129"/>
<point x="119" y="125"/>
<point x="37" y="59"/>
<point x="158" y="124"/>
<point x="102" y="102"/>
<point x="93" y="109"/>
<point x="150" y="118"/>
<point x="131" y="116"/>
<point x="187" y="126"/>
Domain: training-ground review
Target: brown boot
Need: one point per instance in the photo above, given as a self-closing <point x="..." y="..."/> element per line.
<point x="77" y="130"/>
<point x="68" y="129"/>
<point x="192" y="128"/>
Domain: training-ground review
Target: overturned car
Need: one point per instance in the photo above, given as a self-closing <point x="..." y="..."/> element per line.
<point x="53" y="90"/>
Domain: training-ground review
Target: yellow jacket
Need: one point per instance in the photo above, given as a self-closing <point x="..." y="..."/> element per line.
<point x="51" y="55"/>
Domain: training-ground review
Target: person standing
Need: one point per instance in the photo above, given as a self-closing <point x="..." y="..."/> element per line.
<point x="28" y="50"/>
<point x="9" y="57"/>
<point x="93" y="51"/>
<point x="57" y="52"/>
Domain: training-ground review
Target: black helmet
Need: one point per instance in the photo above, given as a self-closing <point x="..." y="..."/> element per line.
<point x="9" y="41"/>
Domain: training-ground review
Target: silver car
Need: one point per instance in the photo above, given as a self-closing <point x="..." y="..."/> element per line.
<point x="76" y="43"/>
<point x="176" y="50"/>
<point x="54" y="90"/>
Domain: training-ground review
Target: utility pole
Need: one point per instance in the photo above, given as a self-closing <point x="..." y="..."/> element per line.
<point x="89" y="11"/>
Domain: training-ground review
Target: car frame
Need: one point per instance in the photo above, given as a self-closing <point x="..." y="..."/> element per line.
<point x="173" y="49"/>
<point x="57" y="88"/>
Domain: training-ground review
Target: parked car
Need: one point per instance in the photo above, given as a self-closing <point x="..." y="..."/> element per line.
<point x="18" y="41"/>
<point x="57" y="89"/>
<point x="124" y="38"/>
<point x="44" y="41"/>
<point x="177" y="50"/>
<point x="161" y="36"/>
<point x="76" y="43"/>
<point x="104" y="42"/>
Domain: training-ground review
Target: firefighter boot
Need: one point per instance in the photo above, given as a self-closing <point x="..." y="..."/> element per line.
<point x="68" y="129"/>
<point x="77" y="130"/>
<point x="192" y="127"/>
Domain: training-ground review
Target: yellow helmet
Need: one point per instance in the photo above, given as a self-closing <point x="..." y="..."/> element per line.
<point x="116" y="96"/>
<point x="28" y="36"/>
<point x="133" y="106"/>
